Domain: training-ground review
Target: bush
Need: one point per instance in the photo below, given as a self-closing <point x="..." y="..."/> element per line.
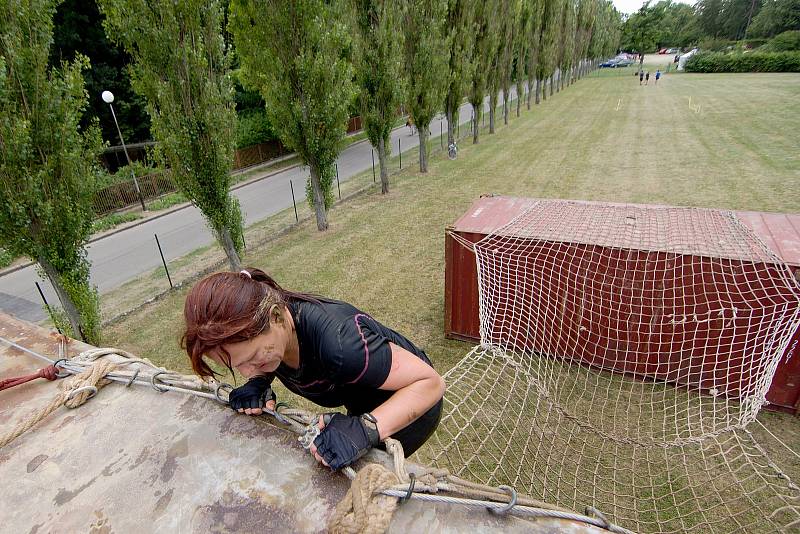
<point x="784" y="42"/>
<point x="750" y="62"/>
<point x="253" y="128"/>
<point x="123" y="174"/>
<point x="5" y="258"/>
<point x="717" y="45"/>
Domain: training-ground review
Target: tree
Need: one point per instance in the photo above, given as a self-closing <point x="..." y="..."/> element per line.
<point x="736" y="16"/>
<point x="426" y="58"/>
<point x="486" y="35"/>
<point x="460" y="22"/>
<point x="534" y="37"/>
<point x="510" y="23"/>
<point x="378" y="73"/>
<point x="586" y="18"/>
<point x="776" y="16"/>
<point x="296" y="54"/>
<point x="523" y="47"/>
<point x="181" y="67"/>
<point x="567" y="43"/>
<point x="709" y="17"/>
<point x="548" y="50"/>
<point x="46" y="161"/>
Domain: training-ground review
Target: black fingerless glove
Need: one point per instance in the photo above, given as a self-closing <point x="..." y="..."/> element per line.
<point x="254" y="394"/>
<point x="346" y="438"/>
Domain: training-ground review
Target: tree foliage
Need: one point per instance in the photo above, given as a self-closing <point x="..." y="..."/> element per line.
<point x="426" y="57"/>
<point x="776" y="16"/>
<point x="78" y="29"/>
<point x="377" y="60"/>
<point x="46" y="162"/>
<point x="296" y="53"/>
<point x="483" y="55"/>
<point x="181" y="67"/>
<point x="460" y="24"/>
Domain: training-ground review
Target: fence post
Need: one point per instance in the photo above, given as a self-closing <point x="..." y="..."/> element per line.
<point x="46" y="305"/>
<point x="338" y="186"/>
<point x="164" y="262"/>
<point x="400" y="153"/>
<point x="372" y="151"/>
<point x="296" y="219"/>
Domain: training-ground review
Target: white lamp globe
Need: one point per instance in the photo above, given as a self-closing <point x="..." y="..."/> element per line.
<point x="108" y="97"/>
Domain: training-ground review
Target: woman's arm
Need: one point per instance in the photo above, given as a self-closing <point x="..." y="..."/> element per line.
<point x="417" y="387"/>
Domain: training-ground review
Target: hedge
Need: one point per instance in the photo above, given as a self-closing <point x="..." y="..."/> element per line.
<point x="748" y="62"/>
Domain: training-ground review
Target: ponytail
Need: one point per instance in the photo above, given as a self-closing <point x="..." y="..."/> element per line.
<point x="260" y="276"/>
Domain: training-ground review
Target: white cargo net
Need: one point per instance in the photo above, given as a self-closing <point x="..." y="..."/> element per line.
<point x="624" y="350"/>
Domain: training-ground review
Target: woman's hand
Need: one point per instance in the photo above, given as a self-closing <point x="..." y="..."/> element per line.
<point x="342" y="440"/>
<point x="253" y="396"/>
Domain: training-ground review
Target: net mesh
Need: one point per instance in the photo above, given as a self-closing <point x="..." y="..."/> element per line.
<point x="624" y="349"/>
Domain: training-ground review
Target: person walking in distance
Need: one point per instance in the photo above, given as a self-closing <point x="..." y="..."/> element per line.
<point x="658" y="75"/>
<point x="641" y="76"/>
<point x="646" y="77"/>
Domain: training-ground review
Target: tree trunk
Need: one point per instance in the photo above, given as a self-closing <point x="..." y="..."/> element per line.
<point x="319" y="198"/>
<point x="450" y="127"/>
<point x="476" y="125"/>
<point x="230" y="249"/>
<point x="558" y="81"/>
<point x="66" y="301"/>
<point x="505" y="106"/>
<point x="492" y="106"/>
<point x="530" y="93"/>
<point x="520" y="93"/>
<point x="383" y="166"/>
<point x="538" y="90"/>
<point x="551" y="83"/>
<point x="422" y="130"/>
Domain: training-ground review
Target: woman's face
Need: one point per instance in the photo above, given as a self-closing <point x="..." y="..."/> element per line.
<point x="259" y="355"/>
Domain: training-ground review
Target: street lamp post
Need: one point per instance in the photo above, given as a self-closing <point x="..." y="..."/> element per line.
<point x="108" y="98"/>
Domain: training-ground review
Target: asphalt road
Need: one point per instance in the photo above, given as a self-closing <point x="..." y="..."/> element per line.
<point x="122" y="256"/>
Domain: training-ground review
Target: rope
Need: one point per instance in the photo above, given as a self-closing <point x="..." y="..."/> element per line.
<point x="48" y="372"/>
<point x="364" y="508"/>
<point x="74" y="391"/>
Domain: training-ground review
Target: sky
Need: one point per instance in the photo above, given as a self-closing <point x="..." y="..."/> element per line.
<point x="629" y="6"/>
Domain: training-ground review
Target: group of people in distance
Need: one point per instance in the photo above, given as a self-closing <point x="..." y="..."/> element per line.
<point x="645" y="76"/>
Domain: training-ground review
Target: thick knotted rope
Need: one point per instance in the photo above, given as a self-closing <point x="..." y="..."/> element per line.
<point x="364" y="509"/>
<point x="74" y="391"/>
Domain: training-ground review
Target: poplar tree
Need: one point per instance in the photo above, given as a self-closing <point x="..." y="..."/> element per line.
<point x="483" y="54"/>
<point x="496" y="59"/>
<point x="378" y="73"/>
<point x="548" y="50"/>
<point x="586" y="18"/>
<point x="536" y="8"/>
<point x="523" y="48"/>
<point x="460" y="22"/>
<point x="47" y="163"/>
<point x="426" y="58"/>
<point x="295" y="53"/>
<point x="506" y="51"/>
<point x="567" y="43"/>
<point x="181" y="67"/>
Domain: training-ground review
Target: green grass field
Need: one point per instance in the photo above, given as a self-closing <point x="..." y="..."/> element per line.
<point x="722" y="141"/>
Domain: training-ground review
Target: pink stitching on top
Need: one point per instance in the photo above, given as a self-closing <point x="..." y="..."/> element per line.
<point x="366" y="349"/>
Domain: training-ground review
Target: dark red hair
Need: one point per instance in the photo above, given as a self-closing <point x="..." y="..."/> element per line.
<point x="225" y="308"/>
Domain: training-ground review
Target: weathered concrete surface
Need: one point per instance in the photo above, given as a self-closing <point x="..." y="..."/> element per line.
<point x="134" y="460"/>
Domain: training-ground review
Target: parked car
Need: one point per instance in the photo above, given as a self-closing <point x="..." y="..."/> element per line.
<point x="624" y="62"/>
<point x="673" y="50"/>
<point x="663" y="51"/>
<point x="609" y="64"/>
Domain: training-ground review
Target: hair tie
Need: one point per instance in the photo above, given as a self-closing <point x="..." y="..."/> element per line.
<point x="246" y="273"/>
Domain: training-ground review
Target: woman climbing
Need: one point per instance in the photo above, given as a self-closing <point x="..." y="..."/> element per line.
<point x="324" y="350"/>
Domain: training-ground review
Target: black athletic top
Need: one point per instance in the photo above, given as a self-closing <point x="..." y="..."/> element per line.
<point x="344" y="354"/>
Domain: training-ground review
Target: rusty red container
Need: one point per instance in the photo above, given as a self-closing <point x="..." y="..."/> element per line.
<point x="780" y="232"/>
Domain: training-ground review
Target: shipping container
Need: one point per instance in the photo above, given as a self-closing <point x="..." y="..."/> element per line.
<point x="779" y="232"/>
